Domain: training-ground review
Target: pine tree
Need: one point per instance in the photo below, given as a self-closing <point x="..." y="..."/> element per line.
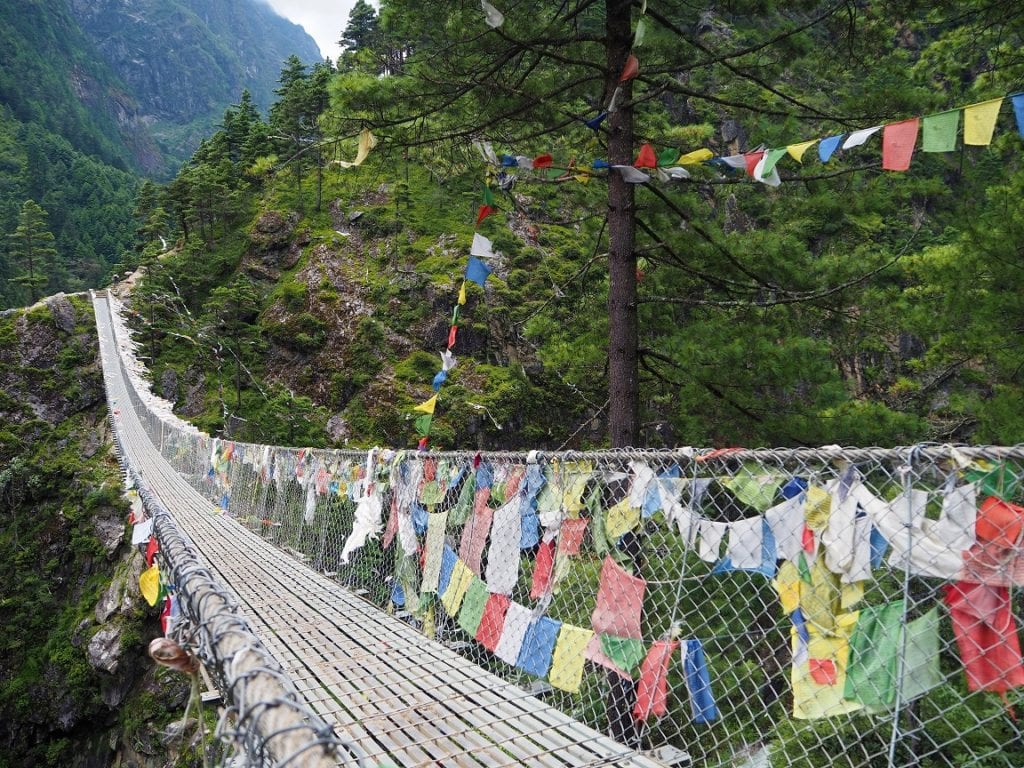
<point x="32" y="248"/>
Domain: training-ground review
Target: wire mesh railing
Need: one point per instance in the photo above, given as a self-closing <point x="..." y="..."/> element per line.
<point x="842" y="607"/>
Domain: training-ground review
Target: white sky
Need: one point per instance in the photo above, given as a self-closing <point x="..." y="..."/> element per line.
<point x="323" y="20"/>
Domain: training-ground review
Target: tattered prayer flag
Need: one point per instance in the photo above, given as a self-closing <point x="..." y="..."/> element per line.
<point x="543" y="161"/>
<point x="696" y="157"/>
<point x="652" y="687"/>
<point x="939" y="131"/>
<point x="857" y="138"/>
<point x="439" y="379"/>
<point x="751" y="159"/>
<point x="492" y="15"/>
<point x="980" y="122"/>
<point x="796" y="151"/>
<point x="423" y="425"/>
<point x="1018" y="110"/>
<point x="646" y="158"/>
<point x="452" y="333"/>
<point x="828" y="147"/>
<point x="481" y="247"/>
<point x="631" y="69"/>
<point x="898" y="140"/>
<point x="462" y="294"/>
<point x="367" y="141"/>
<point x="477" y="271"/>
<point x="428" y="406"/>
<point x="483" y="213"/>
<point x="149" y="584"/>
<point x="631" y="175"/>
<point x="567" y="662"/>
<point x="595" y="122"/>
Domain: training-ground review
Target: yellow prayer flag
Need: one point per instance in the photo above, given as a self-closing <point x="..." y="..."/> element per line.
<point x="462" y="293"/>
<point x="149" y="584"/>
<point x="367" y="141"/>
<point x="817" y="507"/>
<point x="567" y="662"/>
<point x="787" y="584"/>
<point x="428" y="406"/>
<point x="980" y="122"/>
<point x="796" y="151"/>
<point x="620" y="519"/>
<point x="819" y="671"/>
<point x="696" y="157"/>
<point x="459" y="583"/>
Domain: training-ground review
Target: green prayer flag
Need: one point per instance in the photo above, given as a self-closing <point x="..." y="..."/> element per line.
<point x="772" y="158"/>
<point x="488" y="196"/>
<point x="460" y="512"/>
<point x="874" y="674"/>
<point x="473" y="604"/>
<point x="430" y="493"/>
<point x="626" y="652"/>
<point x="939" y="131"/>
<point x="668" y="156"/>
<point x="455" y="315"/>
<point x="802" y="568"/>
<point x="596" y="510"/>
<point x="422" y="424"/>
<point x="753" y="486"/>
<point x="993" y="480"/>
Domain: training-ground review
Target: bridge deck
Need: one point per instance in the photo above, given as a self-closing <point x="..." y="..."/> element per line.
<point x="401" y="697"/>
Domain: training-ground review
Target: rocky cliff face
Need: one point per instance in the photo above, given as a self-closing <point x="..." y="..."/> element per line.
<point x="76" y="687"/>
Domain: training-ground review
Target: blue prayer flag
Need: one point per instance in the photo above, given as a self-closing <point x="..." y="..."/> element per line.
<point x="538" y="646"/>
<point x="477" y="271"/>
<point x="439" y="379"/>
<point x="829" y="146"/>
<point x="1018" y="110"/>
<point x="878" y="547"/>
<point x="698" y="682"/>
<point x="448" y="561"/>
<point x="793" y="488"/>
<point x="419" y="518"/>
<point x="595" y="122"/>
<point x="599" y="164"/>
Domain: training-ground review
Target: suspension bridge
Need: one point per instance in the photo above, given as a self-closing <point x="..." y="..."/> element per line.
<point x="362" y="608"/>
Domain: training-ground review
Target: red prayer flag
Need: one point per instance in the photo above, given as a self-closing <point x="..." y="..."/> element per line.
<point x="631" y="69"/>
<point x="485" y="211"/>
<point x="986" y="634"/>
<point x="492" y="622"/>
<point x="620" y="600"/>
<point x="807" y="540"/>
<point x="999" y="522"/>
<point x="570" y="535"/>
<point x="646" y="158"/>
<point x="898" y="140"/>
<point x="474" y="534"/>
<point x="752" y="159"/>
<point x="652" y="687"/>
<point x="543" y="161"/>
<point x="165" y="614"/>
<point x="152" y="547"/>
<point x="542" y="569"/>
<point x="451" y="336"/>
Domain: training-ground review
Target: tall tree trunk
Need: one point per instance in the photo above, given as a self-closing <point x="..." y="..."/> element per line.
<point x="623" y="338"/>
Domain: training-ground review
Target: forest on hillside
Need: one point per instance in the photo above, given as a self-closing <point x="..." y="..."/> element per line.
<point x="766" y="280"/>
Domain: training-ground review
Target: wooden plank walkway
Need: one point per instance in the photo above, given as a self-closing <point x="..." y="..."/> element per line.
<point x="403" y="698"/>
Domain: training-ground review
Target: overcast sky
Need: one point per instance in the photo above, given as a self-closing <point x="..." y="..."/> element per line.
<point x="323" y="20"/>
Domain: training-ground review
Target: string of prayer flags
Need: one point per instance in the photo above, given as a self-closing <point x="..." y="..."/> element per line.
<point x="492" y="16"/>
<point x="898" y="141"/>
<point x="980" y="122"/>
<point x="367" y="141"/>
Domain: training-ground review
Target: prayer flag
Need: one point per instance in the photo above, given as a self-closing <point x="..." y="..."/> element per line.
<point x="652" y="687"/>
<point x="141" y="532"/>
<point x="765" y="177"/>
<point x="898" y="140"/>
<point x="631" y="175"/>
<point x="796" y="151"/>
<point x="751" y="159"/>
<point x="980" y="121"/>
<point x="473" y="604"/>
<point x="488" y="634"/>
<point x="422" y="424"/>
<point x="483" y="213"/>
<point x="771" y="158"/>
<point x="481" y="247"/>
<point x="474" y="534"/>
<point x="667" y="156"/>
<point x="460" y="580"/>
<point x="819" y="670"/>
<point x="447" y="361"/>
<point x="595" y="122"/>
<point x="696" y="157"/>
<point x="595" y="653"/>
<point x="986" y="634"/>
<point x="538" y="646"/>
<point x="434" y="552"/>
<point x="543" y="161"/>
<point x="439" y="378"/>
<point x="631" y="69"/>
<point x="828" y="147"/>
<point x="503" y="555"/>
<point x="542" y="570"/>
<point x="857" y="138"/>
<point x="641" y="30"/>
<point x="462" y="293"/>
<point x="672" y="174"/>
<point x="492" y="15"/>
<point x="698" y="683"/>
<point x="452" y="333"/>
<point x="149" y="584"/>
<point x="620" y="598"/>
<point x="1018" y="110"/>
<point x="939" y="131"/>
<point x="646" y="158"/>
<point x="448" y="561"/>
<point x="477" y="271"/>
<point x="513" y="631"/>
<point x="570" y="536"/>
<point x="428" y="406"/>
<point x="152" y="547"/>
<point x="367" y="141"/>
<point x="567" y="662"/>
